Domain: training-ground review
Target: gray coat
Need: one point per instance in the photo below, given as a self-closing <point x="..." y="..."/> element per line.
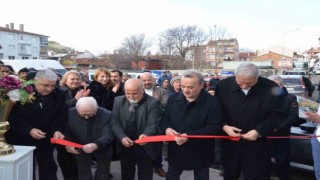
<point x="161" y="94"/>
<point x="147" y="114"/>
<point x="96" y="130"/>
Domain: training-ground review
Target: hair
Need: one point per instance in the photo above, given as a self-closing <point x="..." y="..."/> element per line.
<point x="276" y="78"/>
<point x="105" y="71"/>
<point x="10" y="69"/>
<point x="1" y="63"/>
<point x="87" y="102"/>
<point x="248" y="69"/>
<point x="46" y="74"/>
<point x="65" y="76"/>
<point x="118" y="71"/>
<point x="191" y="74"/>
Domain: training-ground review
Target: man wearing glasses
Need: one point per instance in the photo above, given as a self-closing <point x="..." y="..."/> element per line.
<point x="35" y="123"/>
<point x="89" y="125"/>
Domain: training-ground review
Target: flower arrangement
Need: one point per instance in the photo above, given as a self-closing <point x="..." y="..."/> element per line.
<point x="13" y="89"/>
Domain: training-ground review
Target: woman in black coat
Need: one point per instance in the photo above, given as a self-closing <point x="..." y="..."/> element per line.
<point x="102" y="89"/>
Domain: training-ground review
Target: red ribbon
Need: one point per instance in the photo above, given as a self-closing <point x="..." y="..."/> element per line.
<point x="162" y="138"/>
<point x="65" y="143"/>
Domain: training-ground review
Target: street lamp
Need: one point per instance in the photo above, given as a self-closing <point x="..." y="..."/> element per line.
<point x="284" y="33"/>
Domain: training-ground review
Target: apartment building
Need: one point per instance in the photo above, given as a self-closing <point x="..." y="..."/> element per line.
<point x="19" y="44"/>
<point x="214" y="52"/>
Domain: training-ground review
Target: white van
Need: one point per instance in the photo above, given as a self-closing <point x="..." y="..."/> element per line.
<point x="38" y="64"/>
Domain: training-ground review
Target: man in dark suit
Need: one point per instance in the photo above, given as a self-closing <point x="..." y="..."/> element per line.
<point x="252" y="111"/>
<point x="191" y="112"/>
<point x="90" y="125"/>
<point x="281" y="147"/>
<point x="135" y="116"/>
<point x="35" y="123"/>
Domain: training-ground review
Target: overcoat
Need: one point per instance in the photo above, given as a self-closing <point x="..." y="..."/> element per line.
<point x="262" y="109"/>
<point x="200" y="117"/>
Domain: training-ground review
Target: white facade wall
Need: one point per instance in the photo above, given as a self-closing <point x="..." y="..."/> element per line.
<point x="19" y="46"/>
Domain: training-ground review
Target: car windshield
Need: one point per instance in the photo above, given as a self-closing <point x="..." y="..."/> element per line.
<point x="289" y="82"/>
<point x="295" y="73"/>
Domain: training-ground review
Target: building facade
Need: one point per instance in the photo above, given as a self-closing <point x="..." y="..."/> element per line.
<point x="214" y="53"/>
<point x="18" y="44"/>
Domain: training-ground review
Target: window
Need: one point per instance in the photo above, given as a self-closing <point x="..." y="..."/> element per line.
<point x="34" y="58"/>
<point x="25" y="57"/>
<point x="35" y="50"/>
<point x="11" y="57"/>
<point x="11" y="48"/>
<point x="21" y="37"/>
<point x="11" y="36"/>
<point x="1" y="55"/>
<point x="34" y="39"/>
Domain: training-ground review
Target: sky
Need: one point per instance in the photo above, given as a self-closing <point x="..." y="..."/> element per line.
<point x="100" y="26"/>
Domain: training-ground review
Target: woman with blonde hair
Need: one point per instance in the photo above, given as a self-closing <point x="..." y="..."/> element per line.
<point x="101" y="88"/>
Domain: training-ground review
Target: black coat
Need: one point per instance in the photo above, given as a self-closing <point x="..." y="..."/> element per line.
<point x="103" y="96"/>
<point x="293" y="114"/>
<point x="70" y="96"/>
<point x="260" y="110"/>
<point x="47" y="113"/>
<point x="200" y="117"/>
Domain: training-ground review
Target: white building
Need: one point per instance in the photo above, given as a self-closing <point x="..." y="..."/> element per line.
<point x="18" y="44"/>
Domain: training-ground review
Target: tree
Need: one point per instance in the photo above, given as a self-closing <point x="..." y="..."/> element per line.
<point x="135" y="46"/>
<point x="178" y="39"/>
<point x="219" y="43"/>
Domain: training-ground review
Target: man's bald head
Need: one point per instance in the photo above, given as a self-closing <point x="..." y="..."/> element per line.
<point x="148" y="80"/>
<point x="87" y="107"/>
<point x="134" y="90"/>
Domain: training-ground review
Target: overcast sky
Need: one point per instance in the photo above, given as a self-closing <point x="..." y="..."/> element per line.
<point x="101" y="25"/>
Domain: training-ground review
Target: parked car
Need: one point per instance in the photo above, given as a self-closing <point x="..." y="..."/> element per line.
<point x="296" y="84"/>
<point x="301" y="151"/>
<point x="296" y="72"/>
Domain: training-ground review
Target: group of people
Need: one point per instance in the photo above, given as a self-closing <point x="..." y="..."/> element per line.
<point x="107" y="116"/>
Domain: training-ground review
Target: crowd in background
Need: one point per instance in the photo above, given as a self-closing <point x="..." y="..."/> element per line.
<point x="109" y="113"/>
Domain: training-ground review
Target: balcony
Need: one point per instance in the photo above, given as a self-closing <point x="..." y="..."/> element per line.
<point x="24" y="53"/>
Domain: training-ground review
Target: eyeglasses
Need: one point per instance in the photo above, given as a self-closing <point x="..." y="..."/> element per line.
<point x="5" y="71"/>
<point x="86" y="115"/>
<point x="47" y="85"/>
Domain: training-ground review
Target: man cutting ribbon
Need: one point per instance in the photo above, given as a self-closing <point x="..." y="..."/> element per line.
<point x="191" y="112"/>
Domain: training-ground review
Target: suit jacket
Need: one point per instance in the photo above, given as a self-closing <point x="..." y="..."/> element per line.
<point x="96" y="130"/>
<point x="147" y="116"/>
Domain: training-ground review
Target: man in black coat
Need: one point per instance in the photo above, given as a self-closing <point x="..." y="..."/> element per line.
<point x="34" y="124"/>
<point x="191" y="112"/>
<point x="281" y="147"/>
<point x="252" y="111"/>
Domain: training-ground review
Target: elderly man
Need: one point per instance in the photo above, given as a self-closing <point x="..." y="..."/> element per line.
<point x="191" y="112"/>
<point x="135" y="116"/>
<point x="162" y="95"/>
<point x="34" y="124"/>
<point x="90" y="125"/>
<point x="252" y="111"/>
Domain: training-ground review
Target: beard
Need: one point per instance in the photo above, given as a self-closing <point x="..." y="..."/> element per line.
<point x="132" y="101"/>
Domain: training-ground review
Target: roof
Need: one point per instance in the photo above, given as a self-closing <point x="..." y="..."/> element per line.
<point x="21" y="32"/>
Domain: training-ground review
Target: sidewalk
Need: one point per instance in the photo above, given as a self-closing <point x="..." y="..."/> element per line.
<point x="186" y="175"/>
